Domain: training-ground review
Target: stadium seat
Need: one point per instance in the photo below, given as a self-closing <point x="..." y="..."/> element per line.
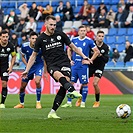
<point x="17" y="11"/>
<point x="120" y="48"/>
<point x="110" y="64"/>
<point x="120" y="40"/>
<point x="114" y="2"/>
<point x="122" y="31"/>
<point x="95" y="30"/>
<point x="114" y="8"/>
<point x="111" y="40"/>
<point x="130" y="39"/>
<point x="77" y="23"/>
<point x="97" y="2"/>
<point x="129" y="64"/>
<point x="112" y="31"/>
<point x="105" y="30"/>
<point x="67" y="24"/>
<point x="130" y="31"/>
<point x="119" y="64"/>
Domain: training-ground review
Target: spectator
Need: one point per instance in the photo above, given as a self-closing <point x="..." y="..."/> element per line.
<point x="68" y="12"/>
<point x="84" y="11"/>
<point x="72" y="33"/>
<point x="92" y="17"/>
<point x="47" y="11"/>
<point x="102" y="6"/>
<point x="128" y="4"/>
<point x="128" y="51"/>
<point x="24" y="11"/>
<point x="20" y="27"/>
<point x="128" y="22"/>
<point x="122" y="4"/>
<point x="1" y="16"/>
<point x="102" y="21"/>
<point x="33" y="11"/>
<point x="115" y="55"/>
<point x="119" y="18"/>
<point x="59" y="9"/>
<point x="11" y="20"/>
<point x="43" y="28"/>
<point x="110" y="16"/>
<point x="39" y="13"/>
<point x="90" y="33"/>
<point x="59" y="23"/>
<point x="31" y="25"/>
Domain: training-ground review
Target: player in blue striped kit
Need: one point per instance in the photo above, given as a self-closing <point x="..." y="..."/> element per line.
<point x="80" y="71"/>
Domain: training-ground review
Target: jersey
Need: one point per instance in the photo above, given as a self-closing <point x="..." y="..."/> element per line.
<point x="4" y="60"/>
<point x="37" y="66"/>
<point x="80" y="71"/>
<point x="53" y="47"/>
<point x="99" y="63"/>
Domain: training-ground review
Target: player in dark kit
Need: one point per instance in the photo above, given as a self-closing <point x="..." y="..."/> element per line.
<point x="6" y="49"/>
<point x="52" y="43"/>
<point x="98" y="65"/>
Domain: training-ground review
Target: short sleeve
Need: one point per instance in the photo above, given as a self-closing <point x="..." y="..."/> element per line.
<point x="38" y="44"/>
<point x="66" y="39"/>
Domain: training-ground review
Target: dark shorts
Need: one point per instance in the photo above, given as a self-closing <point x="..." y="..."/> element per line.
<point x="4" y="73"/>
<point x="97" y="72"/>
<point x="64" y="68"/>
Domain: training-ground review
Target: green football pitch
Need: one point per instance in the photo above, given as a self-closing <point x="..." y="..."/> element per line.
<point x="74" y="119"/>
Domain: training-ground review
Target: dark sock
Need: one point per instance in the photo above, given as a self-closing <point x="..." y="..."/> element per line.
<point x="21" y="97"/>
<point x="59" y="98"/>
<point x="68" y="86"/>
<point x="3" y="94"/>
<point x="97" y="96"/>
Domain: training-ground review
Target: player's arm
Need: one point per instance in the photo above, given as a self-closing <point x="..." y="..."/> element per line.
<point x="45" y="70"/>
<point x="78" y="51"/>
<point x="96" y="52"/>
<point x="13" y="54"/>
<point x="23" y="59"/>
<point x="30" y="63"/>
<point x="105" y="56"/>
<point x="69" y="54"/>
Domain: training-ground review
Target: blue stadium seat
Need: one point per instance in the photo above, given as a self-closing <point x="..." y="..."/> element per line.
<point x="114" y="8"/>
<point x="114" y="2"/>
<point x="130" y="31"/>
<point x="120" y="48"/>
<point x="110" y="40"/>
<point x="119" y="64"/>
<point x="122" y="31"/>
<point x="45" y="3"/>
<point x="130" y="39"/>
<point x="112" y="31"/>
<point x="120" y="40"/>
<point x="39" y="25"/>
<point x="39" y="3"/>
<point x="17" y="11"/>
<point x="110" y="64"/>
<point x="129" y="64"/>
<point x="77" y="9"/>
<point x="97" y="2"/>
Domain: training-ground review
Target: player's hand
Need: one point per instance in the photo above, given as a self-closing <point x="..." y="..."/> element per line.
<point x="24" y="74"/>
<point x="87" y="61"/>
<point x="9" y="70"/>
<point x="46" y="76"/>
<point x="72" y="62"/>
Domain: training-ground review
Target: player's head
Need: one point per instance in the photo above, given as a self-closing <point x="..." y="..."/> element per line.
<point x="50" y="22"/>
<point x="4" y="37"/>
<point x="32" y="38"/>
<point x="100" y="36"/>
<point x="82" y="31"/>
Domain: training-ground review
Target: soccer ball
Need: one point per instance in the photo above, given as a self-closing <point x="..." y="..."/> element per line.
<point x="123" y="111"/>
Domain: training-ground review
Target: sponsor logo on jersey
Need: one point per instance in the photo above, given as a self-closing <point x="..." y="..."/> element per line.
<point x="98" y="71"/>
<point x="65" y="69"/>
<point x="3" y="51"/>
<point x="3" y="55"/>
<point x="53" y="45"/>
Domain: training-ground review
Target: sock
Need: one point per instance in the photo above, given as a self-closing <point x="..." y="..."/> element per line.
<point x="21" y="97"/>
<point x="59" y="98"/>
<point x="97" y="96"/>
<point x="84" y="93"/>
<point x="69" y="100"/>
<point x="3" y="94"/>
<point x="38" y="94"/>
<point x="68" y="86"/>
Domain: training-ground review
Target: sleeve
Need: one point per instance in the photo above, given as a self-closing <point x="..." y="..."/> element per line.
<point x="105" y="57"/>
<point x="22" y="50"/>
<point x="92" y="44"/>
<point x="13" y="53"/>
<point x="65" y="39"/>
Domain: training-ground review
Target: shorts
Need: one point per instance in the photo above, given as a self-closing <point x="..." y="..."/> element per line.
<point x="64" y="68"/>
<point x="81" y="74"/>
<point x="4" y="73"/>
<point x="95" y="71"/>
<point x="37" y="71"/>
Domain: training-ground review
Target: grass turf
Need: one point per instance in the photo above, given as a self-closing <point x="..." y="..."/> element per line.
<point x="74" y="120"/>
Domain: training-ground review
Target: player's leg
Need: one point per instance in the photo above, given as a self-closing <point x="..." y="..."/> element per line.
<point x="38" y="91"/>
<point x="97" y="91"/>
<point x="57" y="102"/>
<point x="21" y="94"/>
<point x="3" y="94"/>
